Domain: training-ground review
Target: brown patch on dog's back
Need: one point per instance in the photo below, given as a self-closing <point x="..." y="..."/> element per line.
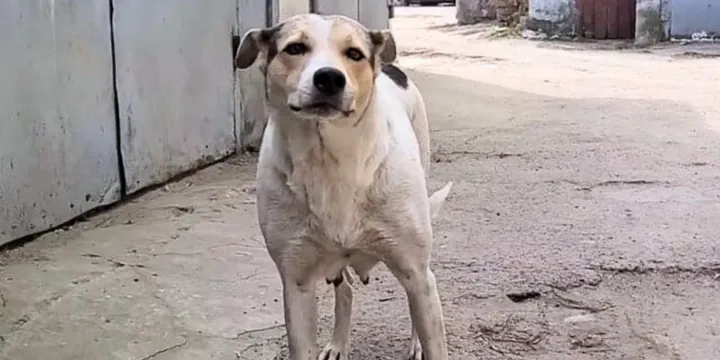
<point x="396" y="75"/>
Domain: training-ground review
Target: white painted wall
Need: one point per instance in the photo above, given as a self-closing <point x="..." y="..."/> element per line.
<point x="694" y="16"/>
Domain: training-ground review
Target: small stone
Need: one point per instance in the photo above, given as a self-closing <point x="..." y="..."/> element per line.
<point x="522" y="296"/>
<point x="579" y="319"/>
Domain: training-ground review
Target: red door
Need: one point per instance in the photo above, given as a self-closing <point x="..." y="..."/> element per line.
<point x="607" y="19"/>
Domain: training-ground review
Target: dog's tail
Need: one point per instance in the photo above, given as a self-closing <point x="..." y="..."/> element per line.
<point x="437" y="199"/>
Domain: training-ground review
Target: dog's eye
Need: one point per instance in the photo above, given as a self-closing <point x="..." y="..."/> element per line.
<point x="296" y="49"/>
<point x="354" y="54"/>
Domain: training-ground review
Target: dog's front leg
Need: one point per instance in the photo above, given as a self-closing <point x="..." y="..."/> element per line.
<point x="300" y="319"/>
<point x="425" y="307"/>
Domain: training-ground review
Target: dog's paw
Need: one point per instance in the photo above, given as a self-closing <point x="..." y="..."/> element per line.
<point x="332" y="352"/>
<point x="416" y="352"/>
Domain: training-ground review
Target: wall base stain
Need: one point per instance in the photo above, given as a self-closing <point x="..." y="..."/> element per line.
<point x="552" y="29"/>
<point x="650" y="27"/>
<point x="554" y="18"/>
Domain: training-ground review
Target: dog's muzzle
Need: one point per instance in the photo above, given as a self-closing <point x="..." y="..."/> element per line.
<point x="327" y="96"/>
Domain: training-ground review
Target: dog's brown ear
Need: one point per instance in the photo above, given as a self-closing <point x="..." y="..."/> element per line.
<point x="384" y="45"/>
<point x="250" y="47"/>
<point x="253" y="42"/>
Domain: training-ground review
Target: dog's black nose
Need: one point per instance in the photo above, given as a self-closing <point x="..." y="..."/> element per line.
<point x="329" y="81"/>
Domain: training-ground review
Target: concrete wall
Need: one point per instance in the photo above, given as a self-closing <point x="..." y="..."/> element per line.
<point x="287" y="8"/>
<point x="374" y="14"/>
<point x="694" y="16"/>
<point x="468" y="12"/>
<point x="58" y="154"/>
<point x="347" y="8"/>
<point x="174" y="85"/>
<point x="250" y="84"/>
<point x="65" y="148"/>
<point x="553" y="17"/>
<point x="371" y="13"/>
<point x="656" y="20"/>
<point x="652" y="21"/>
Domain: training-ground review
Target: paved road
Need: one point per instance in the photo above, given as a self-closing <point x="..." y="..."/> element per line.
<point x="583" y="224"/>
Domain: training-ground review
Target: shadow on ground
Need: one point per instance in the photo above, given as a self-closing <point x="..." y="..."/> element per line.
<point x="577" y="229"/>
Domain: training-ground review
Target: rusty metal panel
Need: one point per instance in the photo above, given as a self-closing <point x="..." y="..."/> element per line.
<point x="175" y="85"/>
<point x="601" y="19"/>
<point x="626" y="19"/>
<point x="58" y="156"/>
<point x="613" y="19"/>
<point x="348" y="8"/>
<point x="374" y="13"/>
<point x="607" y="19"/>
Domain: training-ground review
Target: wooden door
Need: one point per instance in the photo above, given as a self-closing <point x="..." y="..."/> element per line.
<point x="607" y="19"/>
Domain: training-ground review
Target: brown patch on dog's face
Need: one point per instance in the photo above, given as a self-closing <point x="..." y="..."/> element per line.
<point x="319" y="67"/>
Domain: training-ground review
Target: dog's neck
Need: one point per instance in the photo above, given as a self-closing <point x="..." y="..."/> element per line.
<point x="348" y="149"/>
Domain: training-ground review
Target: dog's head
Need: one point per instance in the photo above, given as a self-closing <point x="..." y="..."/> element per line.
<point x="319" y="67"/>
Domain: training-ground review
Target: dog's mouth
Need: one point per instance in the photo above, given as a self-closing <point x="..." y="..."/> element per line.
<point x="321" y="108"/>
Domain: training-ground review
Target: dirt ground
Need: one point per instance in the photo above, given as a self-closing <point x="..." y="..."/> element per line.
<point x="583" y="224"/>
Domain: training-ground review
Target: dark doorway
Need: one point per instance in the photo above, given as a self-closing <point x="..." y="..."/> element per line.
<point x="607" y="19"/>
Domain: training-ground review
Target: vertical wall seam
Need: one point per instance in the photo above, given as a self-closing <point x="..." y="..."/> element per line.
<point x="269" y="9"/>
<point x="666" y="11"/>
<point x="234" y="35"/>
<point x="116" y="105"/>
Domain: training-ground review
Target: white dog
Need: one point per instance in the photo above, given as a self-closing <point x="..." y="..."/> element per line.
<point x="341" y="175"/>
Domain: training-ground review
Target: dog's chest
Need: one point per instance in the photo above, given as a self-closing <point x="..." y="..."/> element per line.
<point x="337" y="200"/>
<point x="336" y="209"/>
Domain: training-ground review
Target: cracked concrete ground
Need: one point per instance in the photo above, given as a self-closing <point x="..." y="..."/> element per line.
<point x="583" y="224"/>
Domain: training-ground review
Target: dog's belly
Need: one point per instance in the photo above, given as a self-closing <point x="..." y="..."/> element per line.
<point x="331" y="266"/>
<point x="360" y="244"/>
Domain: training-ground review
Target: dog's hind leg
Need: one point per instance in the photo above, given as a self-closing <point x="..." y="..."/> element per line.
<point x="437" y="200"/>
<point x="415" y="352"/>
<point x="413" y="272"/>
<point x="338" y="347"/>
<point x="426" y="313"/>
